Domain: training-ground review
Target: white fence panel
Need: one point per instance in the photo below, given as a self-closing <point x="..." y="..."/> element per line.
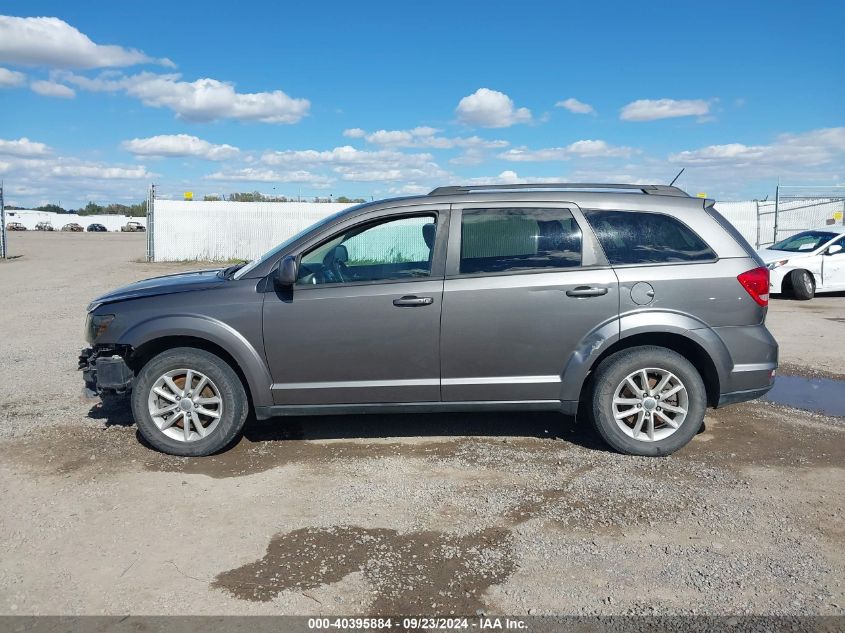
<point x="222" y="230"/>
<point x="743" y="215"/>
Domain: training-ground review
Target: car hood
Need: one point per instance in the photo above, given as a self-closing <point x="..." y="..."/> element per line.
<point x="165" y="285"/>
<point x="768" y="255"/>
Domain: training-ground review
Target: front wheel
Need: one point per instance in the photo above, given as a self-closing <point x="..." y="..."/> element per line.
<point x="188" y="402"/>
<point x="648" y="401"/>
<point x="803" y="285"/>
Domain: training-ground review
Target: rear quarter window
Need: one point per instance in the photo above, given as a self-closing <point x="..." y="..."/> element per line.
<point x="637" y="237"/>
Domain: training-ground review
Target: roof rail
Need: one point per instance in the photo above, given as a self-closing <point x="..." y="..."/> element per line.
<point x="662" y="190"/>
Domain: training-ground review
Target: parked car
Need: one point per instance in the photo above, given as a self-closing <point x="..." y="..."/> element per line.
<point x="638" y="302"/>
<point x="44" y="226"/>
<point x="133" y="227"/>
<point x="15" y="226"/>
<point x="72" y="226"/>
<point x="96" y="228"/>
<point x="807" y="263"/>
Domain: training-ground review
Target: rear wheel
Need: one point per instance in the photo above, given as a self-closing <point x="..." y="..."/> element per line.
<point x="648" y="401"/>
<point x="803" y="285"/>
<point x="189" y="402"/>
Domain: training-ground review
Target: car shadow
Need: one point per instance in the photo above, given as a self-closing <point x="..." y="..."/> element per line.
<point x="527" y="424"/>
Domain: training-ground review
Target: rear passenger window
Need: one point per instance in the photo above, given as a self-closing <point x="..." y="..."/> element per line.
<point x="634" y="237"/>
<point x="502" y="240"/>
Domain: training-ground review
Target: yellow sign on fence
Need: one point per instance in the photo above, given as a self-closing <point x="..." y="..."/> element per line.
<point x="701" y="195"/>
<point x="837" y="215"/>
<point x="189" y="195"/>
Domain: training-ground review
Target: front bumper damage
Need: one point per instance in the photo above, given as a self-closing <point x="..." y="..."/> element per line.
<point x="105" y="371"/>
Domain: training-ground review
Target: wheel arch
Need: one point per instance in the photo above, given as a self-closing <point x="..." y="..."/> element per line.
<point x="681" y="333"/>
<point x="156" y="335"/>
<point x="683" y="345"/>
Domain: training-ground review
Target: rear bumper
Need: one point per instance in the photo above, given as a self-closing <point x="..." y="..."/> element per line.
<point x="735" y="397"/>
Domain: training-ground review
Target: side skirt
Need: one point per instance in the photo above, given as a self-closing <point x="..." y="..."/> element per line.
<point x="567" y="407"/>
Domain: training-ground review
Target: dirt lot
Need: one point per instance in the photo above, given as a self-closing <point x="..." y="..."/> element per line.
<point x="422" y="514"/>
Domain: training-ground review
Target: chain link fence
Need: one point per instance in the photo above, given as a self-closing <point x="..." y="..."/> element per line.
<point x="801" y="208"/>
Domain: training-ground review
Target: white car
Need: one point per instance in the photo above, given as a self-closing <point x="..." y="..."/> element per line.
<point x="807" y="263"/>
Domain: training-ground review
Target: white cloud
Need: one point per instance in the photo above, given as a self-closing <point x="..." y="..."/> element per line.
<point x="52" y="89"/>
<point x="24" y="148"/>
<point x="43" y="41"/>
<point x="426" y="137"/>
<point x="252" y="174"/>
<point x="490" y="108"/>
<point x="360" y="165"/>
<point x="578" y="149"/>
<point x="10" y="78"/>
<point x="578" y="107"/>
<point x="176" y="145"/>
<point x="354" y="132"/>
<point x="788" y="151"/>
<point x="652" y="109"/>
<point x="201" y="100"/>
<point x="75" y="169"/>
<point x="509" y="177"/>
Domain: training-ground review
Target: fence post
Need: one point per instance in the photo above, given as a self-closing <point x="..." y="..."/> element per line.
<point x="3" y="247"/>
<point x="151" y="197"/>
<point x="757" y="205"/>
<point x="777" y="208"/>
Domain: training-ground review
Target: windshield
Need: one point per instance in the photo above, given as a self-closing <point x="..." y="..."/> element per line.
<point x="803" y="242"/>
<point x="242" y="272"/>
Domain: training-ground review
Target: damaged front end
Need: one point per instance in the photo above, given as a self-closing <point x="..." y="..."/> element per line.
<point x="105" y="371"/>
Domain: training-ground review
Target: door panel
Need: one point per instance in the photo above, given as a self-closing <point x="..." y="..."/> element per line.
<point x="351" y="344"/>
<point x="833" y="269"/>
<point x="534" y="285"/>
<point x="362" y="324"/>
<point x="509" y="337"/>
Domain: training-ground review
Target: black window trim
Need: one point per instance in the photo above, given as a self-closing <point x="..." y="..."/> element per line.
<point x="441" y="218"/>
<point x="453" y="261"/>
<point x="588" y="212"/>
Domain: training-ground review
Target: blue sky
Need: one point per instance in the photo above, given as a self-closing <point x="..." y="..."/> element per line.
<point x="98" y="99"/>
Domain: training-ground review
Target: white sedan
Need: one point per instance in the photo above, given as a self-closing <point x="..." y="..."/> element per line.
<point x="807" y="263"/>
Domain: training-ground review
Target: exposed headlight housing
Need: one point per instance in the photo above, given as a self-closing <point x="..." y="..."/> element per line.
<point x="777" y="264"/>
<point x="97" y="325"/>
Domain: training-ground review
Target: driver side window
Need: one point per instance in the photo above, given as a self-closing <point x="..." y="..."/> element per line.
<point x="395" y="248"/>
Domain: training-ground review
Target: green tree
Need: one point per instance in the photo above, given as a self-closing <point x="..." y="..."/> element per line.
<point x="52" y="208"/>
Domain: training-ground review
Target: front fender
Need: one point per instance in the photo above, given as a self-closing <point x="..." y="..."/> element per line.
<point x="249" y="360"/>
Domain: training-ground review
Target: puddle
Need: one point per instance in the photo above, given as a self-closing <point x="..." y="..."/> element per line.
<point x="820" y="395"/>
<point x="416" y="572"/>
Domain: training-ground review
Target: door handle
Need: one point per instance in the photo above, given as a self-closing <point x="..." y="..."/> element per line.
<point x="586" y="291"/>
<point x="412" y="301"/>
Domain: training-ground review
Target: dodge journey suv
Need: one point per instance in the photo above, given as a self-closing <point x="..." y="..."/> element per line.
<point x="637" y="302"/>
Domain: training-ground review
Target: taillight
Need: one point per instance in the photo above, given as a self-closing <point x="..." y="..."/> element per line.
<point x="756" y="282"/>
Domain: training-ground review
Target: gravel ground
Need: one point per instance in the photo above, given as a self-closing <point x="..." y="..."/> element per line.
<point x="506" y="513"/>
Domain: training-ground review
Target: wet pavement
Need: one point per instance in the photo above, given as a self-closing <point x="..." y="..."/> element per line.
<point x="819" y="395"/>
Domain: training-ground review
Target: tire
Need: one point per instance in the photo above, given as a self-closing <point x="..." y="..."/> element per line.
<point x="661" y="438"/>
<point x="803" y="285"/>
<point x="206" y="434"/>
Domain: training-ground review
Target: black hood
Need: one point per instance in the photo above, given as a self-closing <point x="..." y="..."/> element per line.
<point x="168" y="284"/>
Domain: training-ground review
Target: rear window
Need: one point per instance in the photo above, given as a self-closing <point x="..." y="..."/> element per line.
<point x="519" y="239"/>
<point x="635" y="237"/>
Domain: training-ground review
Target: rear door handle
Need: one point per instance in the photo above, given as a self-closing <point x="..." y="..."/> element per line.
<point x="412" y="301"/>
<point x="586" y="291"/>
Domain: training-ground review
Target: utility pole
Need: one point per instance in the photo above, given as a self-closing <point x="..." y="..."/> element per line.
<point x="3" y="246"/>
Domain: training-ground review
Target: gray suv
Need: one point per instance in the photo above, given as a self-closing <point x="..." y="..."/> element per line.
<point x="638" y="302"/>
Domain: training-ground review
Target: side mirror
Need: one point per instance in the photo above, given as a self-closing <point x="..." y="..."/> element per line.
<point x="836" y="248"/>
<point x="286" y="272"/>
